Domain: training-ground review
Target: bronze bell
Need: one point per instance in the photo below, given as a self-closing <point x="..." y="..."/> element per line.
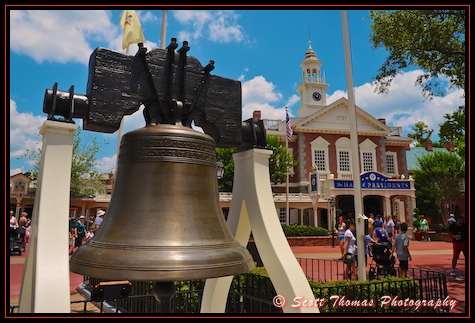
<point x="164" y="222"/>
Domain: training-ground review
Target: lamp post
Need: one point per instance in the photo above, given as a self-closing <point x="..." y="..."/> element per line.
<point x="219" y="169"/>
<point x="332" y="212"/>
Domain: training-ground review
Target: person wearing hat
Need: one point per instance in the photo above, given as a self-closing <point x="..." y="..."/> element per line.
<point x="451" y="220"/>
<point x="99" y="218"/>
<point x="79" y="231"/>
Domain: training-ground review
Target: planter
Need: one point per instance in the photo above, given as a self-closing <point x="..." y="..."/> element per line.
<point x="418" y="236"/>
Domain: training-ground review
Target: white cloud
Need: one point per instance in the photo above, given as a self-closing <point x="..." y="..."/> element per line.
<point x="404" y="105"/>
<point x="59" y="36"/>
<point x="24" y="132"/>
<point x="217" y="26"/>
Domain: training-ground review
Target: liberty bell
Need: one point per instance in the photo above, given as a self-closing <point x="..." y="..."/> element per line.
<point x="164" y="222"/>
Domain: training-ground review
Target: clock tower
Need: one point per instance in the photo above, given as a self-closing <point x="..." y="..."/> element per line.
<point x="313" y="88"/>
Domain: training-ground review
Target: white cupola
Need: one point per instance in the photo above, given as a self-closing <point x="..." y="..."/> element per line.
<point x="312" y="88"/>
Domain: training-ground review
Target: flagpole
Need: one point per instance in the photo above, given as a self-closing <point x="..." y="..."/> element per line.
<point x="360" y="229"/>
<point x="164" y="29"/>
<point x="287" y="171"/>
<point x="137" y="37"/>
<point x="120" y="132"/>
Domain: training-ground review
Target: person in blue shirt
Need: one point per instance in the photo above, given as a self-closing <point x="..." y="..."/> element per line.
<point x="367" y="241"/>
<point x="99" y="219"/>
<point x="401" y="247"/>
<point x="378" y="222"/>
<point x="79" y="231"/>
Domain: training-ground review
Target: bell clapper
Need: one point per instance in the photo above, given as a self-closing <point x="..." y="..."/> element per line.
<point x="164" y="292"/>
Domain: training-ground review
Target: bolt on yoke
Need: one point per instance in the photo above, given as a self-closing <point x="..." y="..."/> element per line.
<point x="172" y="86"/>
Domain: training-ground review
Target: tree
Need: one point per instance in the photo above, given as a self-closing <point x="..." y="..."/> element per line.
<point x="279" y="162"/>
<point x="225" y="155"/>
<point x="436" y="180"/>
<point x="433" y="40"/>
<point x="85" y="179"/>
<point x="421" y="133"/>
<point x="453" y="129"/>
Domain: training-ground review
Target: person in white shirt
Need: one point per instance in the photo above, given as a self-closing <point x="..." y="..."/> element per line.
<point x="389" y="227"/>
<point x="451" y="220"/>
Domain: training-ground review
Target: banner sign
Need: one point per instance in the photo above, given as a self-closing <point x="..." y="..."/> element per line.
<point x="313" y="183"/>
<point x="374" y="181"/>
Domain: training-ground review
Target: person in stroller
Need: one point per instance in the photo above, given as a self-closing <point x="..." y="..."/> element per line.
<point x="382" y="262"/>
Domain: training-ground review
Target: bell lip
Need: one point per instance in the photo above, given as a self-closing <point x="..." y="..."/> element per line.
<point x="165" y="276"/>
<point x="162" y="264"/>
<point x="174" y="274"/>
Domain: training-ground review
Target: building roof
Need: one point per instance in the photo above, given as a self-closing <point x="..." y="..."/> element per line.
<point x="415" y="152"/>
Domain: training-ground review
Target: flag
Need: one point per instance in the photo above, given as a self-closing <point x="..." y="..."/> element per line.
<point x="133" y="33"/>
<point x="289" y="126"/>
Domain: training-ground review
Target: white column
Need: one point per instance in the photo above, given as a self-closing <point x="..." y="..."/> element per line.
<point x="387" y="206"/>
<point x="45" y="286"/>
<point x="253" y="207"/>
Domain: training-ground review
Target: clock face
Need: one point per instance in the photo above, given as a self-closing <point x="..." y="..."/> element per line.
<point x="316" y="96"/>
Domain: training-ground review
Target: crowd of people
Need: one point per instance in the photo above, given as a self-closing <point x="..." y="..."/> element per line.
<point x="20" y="229"/>
<point x="394" y="233"/>
<point x="80" y="231"/>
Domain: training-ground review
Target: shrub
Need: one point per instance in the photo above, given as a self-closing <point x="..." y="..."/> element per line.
<point x="295" y="230"/>
<point x="416" y="225"/>
<point x="440" y="228"/>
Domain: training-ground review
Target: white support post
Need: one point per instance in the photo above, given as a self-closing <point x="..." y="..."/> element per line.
<point x="252" y="207"/>
<point x="45" y="286"/>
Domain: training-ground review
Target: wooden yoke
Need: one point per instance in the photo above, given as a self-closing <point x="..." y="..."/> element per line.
<point x="171" y="85"/>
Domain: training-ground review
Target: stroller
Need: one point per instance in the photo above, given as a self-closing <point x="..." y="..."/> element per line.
<point x="17" y="240"/>
<point x="382" y="260"/>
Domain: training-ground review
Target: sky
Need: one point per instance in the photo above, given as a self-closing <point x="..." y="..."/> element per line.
<point x="261" y="48"/>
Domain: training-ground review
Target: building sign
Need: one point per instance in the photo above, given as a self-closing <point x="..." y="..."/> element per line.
<point x="374" y="181"/>
<point x="313" y="183"/>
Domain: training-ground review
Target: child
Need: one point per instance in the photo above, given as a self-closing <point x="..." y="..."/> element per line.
<point x="401" y="247"/>
<point x="90" y="233"/>
<point x="72" y="237"/>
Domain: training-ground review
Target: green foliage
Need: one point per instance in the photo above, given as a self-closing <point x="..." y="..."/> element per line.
<point x="436" y="180"/>
<point x="295" y="230"/>
<point x="344" y="296"/>
<point x="280" y="161"/>
<point x="421" y="133"/>
<point x="440" y="228"/>
<point x="225" y="155"/>
<point x="416" y="225"/>
<point x="85" y="179"/>
<point x="453" y="129"/>
<point x="432" y="39"/>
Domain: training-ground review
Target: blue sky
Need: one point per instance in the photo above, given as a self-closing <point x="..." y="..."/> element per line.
<point x="261" y="48"/>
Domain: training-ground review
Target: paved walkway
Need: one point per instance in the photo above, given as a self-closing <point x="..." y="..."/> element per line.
<point x="432" y="255"/>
